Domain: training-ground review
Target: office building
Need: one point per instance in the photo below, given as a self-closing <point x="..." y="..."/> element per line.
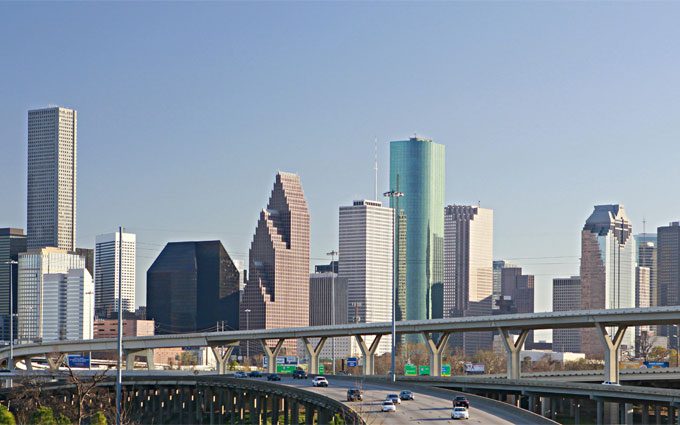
<point x="417" y="170"/>
<point x="468" y="270"/>
<point x="566" y="297"/>
<point x="497" y="268"/>
<point x="191" y="287"/>
<point x="34" y="266"/>
<point x="365" y="261"/>
<point x="607" y="271"/>
<point x="12" y="242"/>
<point x="115" y="263"/>
<point x="642" y="287"/>
<point x="668" y="277"/>
<point x="51" y="200"/>
<point x="108" y="328"/>
<point x="277" y="292"/>
<point x="88" y="255"/>
<point x="68" y="305"/>
<point x="518" y="289"/>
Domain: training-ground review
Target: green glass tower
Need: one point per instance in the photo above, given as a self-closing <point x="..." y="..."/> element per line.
<point x="417" y="171"/>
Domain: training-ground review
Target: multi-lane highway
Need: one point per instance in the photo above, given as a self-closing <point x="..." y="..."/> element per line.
<point x="430" y="405"/>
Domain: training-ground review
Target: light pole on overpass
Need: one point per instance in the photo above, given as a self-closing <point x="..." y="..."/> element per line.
<point x="10" y="361"/>
<point x="247" y="311"/>
<point x="333" y="254"/>
<point x="395" y="249"/>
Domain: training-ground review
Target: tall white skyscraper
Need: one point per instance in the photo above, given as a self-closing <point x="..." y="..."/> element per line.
<point x="468" y="270"/>
<point x="34" y="266"/>
<point x="51" y="201"/>
<point x="68" y="305"/>
<point x="366" y="248"/>
<point x="106" y="263"/>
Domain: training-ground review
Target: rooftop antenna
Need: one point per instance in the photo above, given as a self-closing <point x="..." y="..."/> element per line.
<point x="375" y="169"/>
<point x="644" y="225"/>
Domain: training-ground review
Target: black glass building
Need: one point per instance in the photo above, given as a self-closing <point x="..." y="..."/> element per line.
<point x="191" y="287"/>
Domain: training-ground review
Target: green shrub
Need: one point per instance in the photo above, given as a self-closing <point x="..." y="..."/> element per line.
<point x="6" y="417"/>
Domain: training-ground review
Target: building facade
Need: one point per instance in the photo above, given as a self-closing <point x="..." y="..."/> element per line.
<point x="518" y="289"/>
<point x="108" y="328"/>
<point x="607" y="271"/>
<point x="115" y="264"/>
<point x="12" y="242"/>
<point x="646" y="257"/>
<point x="642" y="288"/>
<point x="566" y="297"/>
<point x="51" y="200"/>
<point x="34" y="265"/>
<point x="68" y="305"/>
<point x="191" y="287"/>
<point x="668" y="277"/>
<point x="277" y="292"/>
<point x="498" y="266"/>
<point x="365" y="261"/>
<point x="417" y="169"/>
<point x="468" y="270"/>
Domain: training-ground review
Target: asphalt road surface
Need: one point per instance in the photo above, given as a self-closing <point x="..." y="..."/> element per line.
<point x="429" y="406"/>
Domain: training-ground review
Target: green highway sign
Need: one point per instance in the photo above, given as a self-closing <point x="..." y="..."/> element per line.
<point x="410" y="370"/>
<point x="322" y="369"/>
<point x="424" y="370"/>
<point x="285" y="368"/>
<point x="446" y="370"/>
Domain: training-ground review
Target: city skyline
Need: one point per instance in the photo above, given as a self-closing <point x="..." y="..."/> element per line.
<point x="521" y="222"/>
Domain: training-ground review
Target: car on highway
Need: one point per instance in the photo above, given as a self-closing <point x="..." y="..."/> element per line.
<point x="299" y="374"/>
<point x="354" y="394"/>
<point x="273" y="377"/>
<point x="240" y="375"/>
<point x="461" y="401"/>
<point x="388" y="406"/>
<point x="460" y="413"/>
<point x="406" y="395"/>
<point x="394" y="397"/>
<point x="255" y="374"/>
<point x="319" y="381"/>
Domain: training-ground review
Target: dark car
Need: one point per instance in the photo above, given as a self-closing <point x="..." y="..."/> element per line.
<point x="255" y="374"/>
<point x="406" y="395"/>
<point x="461" y="401"/>
<point x="354" y="394"/>
<point x="273" y="377"/>
<point x="299" y="374"/>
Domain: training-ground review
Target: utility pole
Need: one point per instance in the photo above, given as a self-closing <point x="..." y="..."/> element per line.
<point x="10" y="361"/>
<point x="333" y="254"/>
<point x="119" y="371"/>
<point x="397" y="195"/>
<point x="247" y="311"/>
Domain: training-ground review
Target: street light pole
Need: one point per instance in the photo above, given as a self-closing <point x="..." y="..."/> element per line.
<point x="247" y="311"/>
<point x="119" y="371"/>
<point x="397" y="195"/>
<point x="333" y="254"/>
<point x="10" y="361"/>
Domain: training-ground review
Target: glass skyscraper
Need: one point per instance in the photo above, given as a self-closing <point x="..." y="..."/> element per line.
<point x="417" y="170"/>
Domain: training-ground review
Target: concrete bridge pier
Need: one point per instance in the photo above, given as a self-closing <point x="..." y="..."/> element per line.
<point x="222" y="355"/>
<point x="513" y="349"/>
<point x="294" y="412"/>
<point x="309" y="414"/>
<point x="436" y="350"/>
<point x="272" y="353"/>
<point x="53" y="363"/>
<point x="313" y="353"/>
<point x="130" y="356"/>
<point x="611" y="348"/>
<point x="368" y="352"/>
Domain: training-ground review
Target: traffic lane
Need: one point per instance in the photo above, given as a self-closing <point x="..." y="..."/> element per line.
<point x="426" y="408"/>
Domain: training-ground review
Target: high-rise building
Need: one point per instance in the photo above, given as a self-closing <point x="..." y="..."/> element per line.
<point x="277" y="292"/>
<point x="365" y="260"/>
<point x="51" y="203"/>
<point x="34" y="265"/>
<point x="642" y="285"/>
<point x="646" y="257"/>
<point x="607" y="271"/>
<point x="668" y="277"/>
<point x="115" y="262"/>
<point x="498" y="266"/>
<point x="88" y="255"/>
<point x="417" y="170"/>
<point x="518" y="288"/>
<point x="191" y="287"/>
<point x="468" y="270"/>
<point x="566" y="297"/>
<point x="12" y="242"/>
<point x="68" y="305"/>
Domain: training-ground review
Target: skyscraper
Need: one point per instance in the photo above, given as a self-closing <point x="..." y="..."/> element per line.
<point x="518" y="288"/>
<point x="498" y="266"/>
<point x="34" y="266"/>
<point x="366" y="262"/>
<point x="468" y="270"/>
<point x="191" y="286"/>
<point x="417" y="171"/>
<point x="607" y="270"/>
<point x="320" y="311"/>
<point x="567" y="297"/>
<point x="68" y="305"/>
<point x="642" y="293"/>
<point x="277" y="292"/>
<point x="646" y="257"/>
<point x="668" y="277"/>
<point x="51" y="202"/>
<point x="111" y="257"/>
<point x="12" y="242"/>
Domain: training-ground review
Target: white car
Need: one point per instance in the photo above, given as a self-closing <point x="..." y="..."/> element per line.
<point x="319" y="381"/>
<point x="388" y="406"/>
<point x="460" y="413"/>
<point x="394" y="398"/>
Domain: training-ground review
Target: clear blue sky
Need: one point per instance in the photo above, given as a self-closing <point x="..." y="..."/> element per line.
<point x="186" y="112"/>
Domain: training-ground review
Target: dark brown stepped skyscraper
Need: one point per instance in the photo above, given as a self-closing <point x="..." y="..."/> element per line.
<point x="277" y="292"/>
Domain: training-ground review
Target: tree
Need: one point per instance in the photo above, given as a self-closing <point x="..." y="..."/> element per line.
<point x="98" y="418"/>
<point x="86" y="390"/>
<point x="43" y="416"/>
<point x="6" y="417"/>
<point x="658" y="354"/>
<point x="62" y="420"/>
<point x="645" y="343"/>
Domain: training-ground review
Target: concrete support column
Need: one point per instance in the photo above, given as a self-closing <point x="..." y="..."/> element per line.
<point x="513" y="350"/>
<point x="222" y="355"/>
<point x="553" y="408"/>
<point x="577" y="412"/>
<point x="272" y="354"/>
<point x="545" y="406"/>
<point x="368" y="352"/>
<point x="645" y="414"/>
<point x="532" y="403"/>
<point x="294" y="412"/>
<point x="309" y="414"/>
<point x="600" y="412"/>
<point x="325" y="416"/>
<point x="657" y="414"/>
<point x="611" y="349"/>
<point x="54" y="364"/>
<point x="313" y="353"/>
<point x="286" y="410"/>
<point x="276" y="402"/>
<point x="628" y="411"/>
<point x="131" y="354"/>
<point x="436" y="350"/>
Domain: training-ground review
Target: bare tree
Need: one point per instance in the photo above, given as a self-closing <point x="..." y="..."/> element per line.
<point x="645" y="344"/>
<point x="85" y="390"/>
